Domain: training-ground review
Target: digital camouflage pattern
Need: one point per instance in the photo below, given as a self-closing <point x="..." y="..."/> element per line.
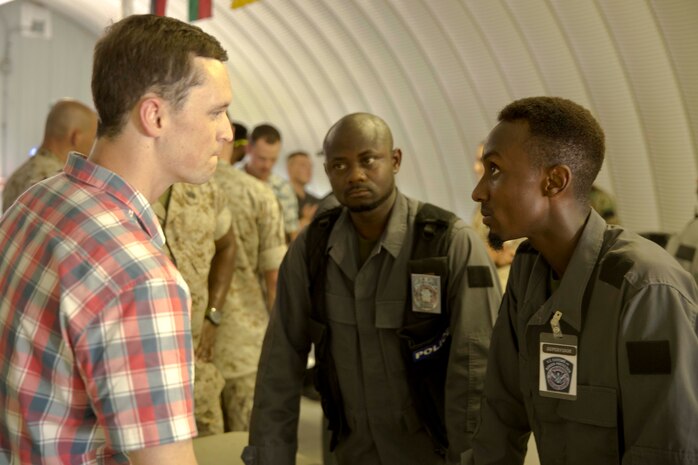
<point x="288" y="200"/>
<point x="193" y="217"/>
<point x="261" y="246"/>
<point x="42" y="165"/>
<point x="603" y="203"/>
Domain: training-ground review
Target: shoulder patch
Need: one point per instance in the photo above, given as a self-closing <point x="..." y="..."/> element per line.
<point x="479" y="276"/>
<point x="686" y="252"/>
<point x="613" y="270"/>
<point x="649" y="357"/>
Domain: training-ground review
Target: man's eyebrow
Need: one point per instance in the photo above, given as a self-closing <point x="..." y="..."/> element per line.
<point x="489" y="154"/>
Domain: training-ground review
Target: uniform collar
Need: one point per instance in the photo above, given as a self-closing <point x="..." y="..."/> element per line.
<point x="83" y="170"/>
<point x="342" y="243"/>
<point x="568" y="298"/>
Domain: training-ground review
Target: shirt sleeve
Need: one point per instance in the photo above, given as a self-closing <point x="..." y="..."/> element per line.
<point x="658" y="373"/>
<point x="270" y="224"/>
<point x="135" y="359"/>
<point x="224" y="217"/>
<point x="274" y="422"/>
<point x="503" y="431"/>
<point x="474" y="298"/>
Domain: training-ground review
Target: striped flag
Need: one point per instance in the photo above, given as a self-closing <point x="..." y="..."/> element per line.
<point x="157" y="7"/>
<point x="200" y="9"/>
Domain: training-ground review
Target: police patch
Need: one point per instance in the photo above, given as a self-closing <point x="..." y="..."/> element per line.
<point x="426" y="293"/>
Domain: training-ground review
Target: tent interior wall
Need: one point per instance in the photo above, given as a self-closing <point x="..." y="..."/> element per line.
<point x="437" y="71"/>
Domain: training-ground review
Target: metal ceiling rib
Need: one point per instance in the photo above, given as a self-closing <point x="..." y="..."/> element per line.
<point x="423" y="102"/>
<point x="658" y="103"/>
<point x="677" y="23"/>
<point x="378" y="77"/>
<point x="602" y="70"/>
<point x="445" y="93"/>
<point x="439" y="71"/>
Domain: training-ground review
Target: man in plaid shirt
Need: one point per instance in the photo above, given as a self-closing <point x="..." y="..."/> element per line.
<point x="96" y="362"/>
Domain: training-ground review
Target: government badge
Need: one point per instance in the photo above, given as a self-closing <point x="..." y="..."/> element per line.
<point x="426" y="293"/>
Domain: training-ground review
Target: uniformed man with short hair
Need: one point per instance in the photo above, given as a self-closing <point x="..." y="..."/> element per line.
<point x="200" y="240"/>
<point x="355" y="289"/>
<point x="594" y="349"/>
<point x="261" y="245"/>
<point x="71" y="126"/>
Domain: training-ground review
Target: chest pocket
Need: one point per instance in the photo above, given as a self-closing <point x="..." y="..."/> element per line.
<point x="588" y="432"/>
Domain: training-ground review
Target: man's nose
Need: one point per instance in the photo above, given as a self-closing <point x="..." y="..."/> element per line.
<point x="357" y="173"/>
<point x="478" y="194"/>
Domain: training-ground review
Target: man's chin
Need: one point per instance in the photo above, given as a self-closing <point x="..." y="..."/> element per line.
<point x="363" y="207"/>
<point x="495" y="241"/>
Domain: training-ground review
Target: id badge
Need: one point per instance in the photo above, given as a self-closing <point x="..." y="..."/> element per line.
<point x="558" y="366"/>
<point x="426" y="293"/>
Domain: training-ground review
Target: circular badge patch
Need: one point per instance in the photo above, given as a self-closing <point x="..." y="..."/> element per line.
<point x="558" y="374"/>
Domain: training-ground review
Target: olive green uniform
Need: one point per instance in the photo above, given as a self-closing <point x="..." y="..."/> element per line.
<point x="365" y="308"/>
<point x="633" y="310"/>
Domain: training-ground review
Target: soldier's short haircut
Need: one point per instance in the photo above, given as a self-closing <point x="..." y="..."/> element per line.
<point x="266" y="132"/>
<point x="240" y="132"/>
<point x="562" y="133"/>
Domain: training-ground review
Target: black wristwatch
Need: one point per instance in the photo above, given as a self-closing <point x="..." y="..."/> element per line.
<point x="214" y="316"/>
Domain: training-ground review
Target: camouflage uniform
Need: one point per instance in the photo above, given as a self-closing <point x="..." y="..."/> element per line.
<point x="261" y="247"/>
<point x="603" y="203"/>
<point x="193" y="218"/>
<point x="42" y="165"/>
<point x="287" y="198"/>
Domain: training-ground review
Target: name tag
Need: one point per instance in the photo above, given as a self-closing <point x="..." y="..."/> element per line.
<point x="558" y="366"/>
<point x="426" y="293"/>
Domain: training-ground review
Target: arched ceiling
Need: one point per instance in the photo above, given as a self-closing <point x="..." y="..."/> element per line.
<point x="438" y="71"/>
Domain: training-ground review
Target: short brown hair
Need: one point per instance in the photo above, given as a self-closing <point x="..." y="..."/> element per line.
<point x="267" y="132"/>
<point x="146" y="53"/>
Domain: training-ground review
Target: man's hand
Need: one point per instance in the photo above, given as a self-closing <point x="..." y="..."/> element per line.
<point x="204" y="352"/>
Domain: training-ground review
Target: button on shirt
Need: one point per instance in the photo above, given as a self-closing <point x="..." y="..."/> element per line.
<point x="95" y="344"/>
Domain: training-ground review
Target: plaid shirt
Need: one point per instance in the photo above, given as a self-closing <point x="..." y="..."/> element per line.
<point x="95" y="345"/>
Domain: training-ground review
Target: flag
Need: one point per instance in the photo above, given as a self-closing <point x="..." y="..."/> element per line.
<point x="200" y="9"/>
<point x="240" y="3"/>
<point x="157" y="7"/>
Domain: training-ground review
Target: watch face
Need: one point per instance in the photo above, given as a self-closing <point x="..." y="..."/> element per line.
<point x="214" y="316"/>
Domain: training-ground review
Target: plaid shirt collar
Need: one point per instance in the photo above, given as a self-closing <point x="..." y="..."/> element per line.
<point x="83" y="170"/>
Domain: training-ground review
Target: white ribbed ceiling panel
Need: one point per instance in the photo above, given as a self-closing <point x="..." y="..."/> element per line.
<point x="440" y="70"/>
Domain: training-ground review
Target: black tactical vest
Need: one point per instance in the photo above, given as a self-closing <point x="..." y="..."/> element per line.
<point x="425" y="337"/>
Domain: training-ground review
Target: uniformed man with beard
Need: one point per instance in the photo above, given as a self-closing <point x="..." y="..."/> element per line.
<point x="359" y="309"/>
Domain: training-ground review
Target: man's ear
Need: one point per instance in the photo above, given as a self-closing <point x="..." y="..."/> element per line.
<point x="396" y="157"/>
<point x="74" y="137"/>
<point x="558" y="180"/>
<point x="151" y="112"/>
